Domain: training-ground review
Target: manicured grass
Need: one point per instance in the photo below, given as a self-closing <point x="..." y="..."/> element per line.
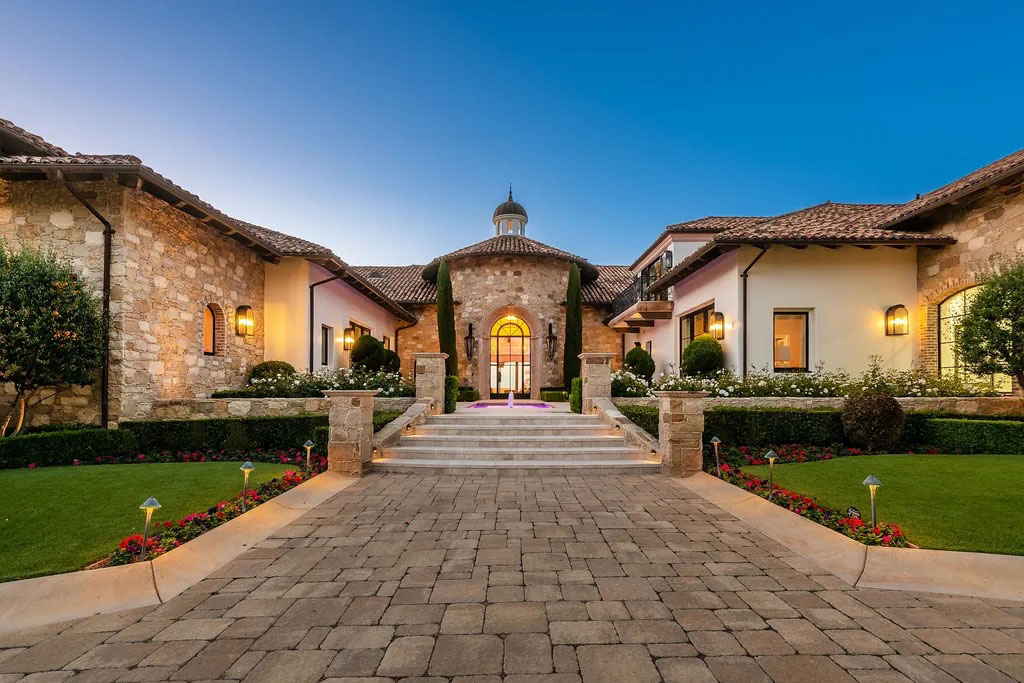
<point x="59" y="519"/>
<point x="947" y="502"/>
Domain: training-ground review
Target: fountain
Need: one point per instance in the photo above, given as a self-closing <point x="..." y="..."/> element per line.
<point x="511" y="399"/>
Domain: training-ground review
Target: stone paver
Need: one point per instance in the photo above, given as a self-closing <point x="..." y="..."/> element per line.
<point x="459" y="579"/>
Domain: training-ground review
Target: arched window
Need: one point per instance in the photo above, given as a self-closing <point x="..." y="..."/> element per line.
<point x="209" y="331"/>
<point x="951" y="312"/>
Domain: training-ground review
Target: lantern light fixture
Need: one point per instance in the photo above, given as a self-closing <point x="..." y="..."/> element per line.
<point x="717" y="325"/>
<point x="245" y="321"/>
<point x="873" y="483"/>
<point x="348" y="338"/>
<point x="552" y="340"/>
<point x="470" y="342"/>
<point x="247" y="468"/>
<point x="715" y="442"/>
<point x="148" y="506"/>
<point x="309" y="447"/>
<point x="770" y="455"/>
<point x="897" y="321"/>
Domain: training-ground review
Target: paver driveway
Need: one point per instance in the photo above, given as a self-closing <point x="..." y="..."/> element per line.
<point x="605" y="579"/>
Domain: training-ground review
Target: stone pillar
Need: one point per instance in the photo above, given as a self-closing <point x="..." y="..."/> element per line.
<point x="596" y="373"/>
<point x="429" y="378"/>
<point x="349" y="446"/>
<point x="681" y="430"/>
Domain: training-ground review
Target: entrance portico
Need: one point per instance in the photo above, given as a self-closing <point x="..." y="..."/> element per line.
<point x="510" y="354"/>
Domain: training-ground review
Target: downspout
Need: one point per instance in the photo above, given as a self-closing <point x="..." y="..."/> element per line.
<point x="745" y="326"/>
<point x="108" y="235"/>
<point x="399" y="329"/>
<point x="312" y="288"/>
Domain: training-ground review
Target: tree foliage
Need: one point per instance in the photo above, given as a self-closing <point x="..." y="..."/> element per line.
<point x="573" y="327"/>
<point x="991" y="334"/>
<point x="368" y="353"/>
<point x="446" y="320"/>
<point x="639" y="362"/>
<point x="52" y="328"/>
<point x="703" y="355"/>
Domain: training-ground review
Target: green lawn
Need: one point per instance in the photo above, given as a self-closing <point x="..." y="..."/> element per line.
<point x="59" y="519"/>
<point x="948" y="502"/>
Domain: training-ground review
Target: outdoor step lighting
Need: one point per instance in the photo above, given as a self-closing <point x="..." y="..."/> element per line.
<point x="247" y="467"/>
<point x="897" y="321"/>
<point x="470" y="342"/>
<point x="308" y="446"/>
<point x="148" y="506"/>
<point x="245" y="321"/>
<point x="873" y="483"/>
<point x="552" y="340"/>
<point x="717" y="326"/>
<point x="715" y="441"/>
<point x="771" y="472"/>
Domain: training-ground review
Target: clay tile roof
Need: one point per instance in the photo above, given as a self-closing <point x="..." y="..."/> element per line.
<point x="74" y="159"/>
<point x="512" y="245"/>
<point x="32" y="139"/>
<point x="701" y="225"/>
<point x="610" y="281"/>
<point x="286" y="244"/>
<point x="976" y="180"/>
<point x="404" y="284"/>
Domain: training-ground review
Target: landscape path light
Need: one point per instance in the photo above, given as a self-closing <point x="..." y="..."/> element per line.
<point x="873" y="483"/>
<point x="771" y="472"/>
<point x="148" y="506"/>
<point x="308" y="446"/>
<point x="247" y="468"/>
<point x="715" y="441"/>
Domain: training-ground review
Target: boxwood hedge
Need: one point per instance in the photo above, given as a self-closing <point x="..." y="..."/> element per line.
<point x="64" y="447"/>
<point x="974" y="436"/>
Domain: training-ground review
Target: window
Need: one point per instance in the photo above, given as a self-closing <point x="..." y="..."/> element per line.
<point x="358" y="330"/>
<point x="651" y="273"/>
<point x="209" y="331"/>
<point x="650" y="348"/>
<point x="691" y="326"/>
<point x="386" y="340"/>
<point x="791" y="339"/>
<point x="326" y="344"/>
<point x="951" y="311"/>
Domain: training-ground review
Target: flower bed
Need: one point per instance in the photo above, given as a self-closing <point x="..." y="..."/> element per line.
<point x="306" y="385"/>
<point x="169" y="535"/>
<point x="884" y="534"/>
<point x="283" y="456"/>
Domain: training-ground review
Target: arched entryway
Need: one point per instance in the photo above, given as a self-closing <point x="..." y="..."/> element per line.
<point x="510" y="358"/>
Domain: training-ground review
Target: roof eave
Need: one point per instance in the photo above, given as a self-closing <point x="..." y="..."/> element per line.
<point x="360" y="284"/>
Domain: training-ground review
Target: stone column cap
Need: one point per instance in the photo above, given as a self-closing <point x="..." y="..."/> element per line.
<point x="429" y="355"/>
<point x="682" y="394"/>
<point x="350" y="392"/>
<point x="583" y="356"/>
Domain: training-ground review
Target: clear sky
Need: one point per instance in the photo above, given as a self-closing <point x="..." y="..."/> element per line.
<point x="389" y="131"/>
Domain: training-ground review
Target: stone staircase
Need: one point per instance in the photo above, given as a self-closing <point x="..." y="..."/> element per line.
<point x="534" y="442"/>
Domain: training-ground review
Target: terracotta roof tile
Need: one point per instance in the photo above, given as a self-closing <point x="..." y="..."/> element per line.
<point x="512" y="245"/>
<point x="404" y="284"/>
<point x="610" y="281"/>
<point x="976" y="180"/>
<point x="32" y="139"/>
<point x="706" y="224"/>
<point x="287" y="244"/>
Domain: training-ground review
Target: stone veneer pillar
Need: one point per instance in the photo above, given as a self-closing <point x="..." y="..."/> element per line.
<point x="681" y="430"/>
<point x="349" y="446"/>
<point x="596" y="374"/>
<point x="429" y="378"/>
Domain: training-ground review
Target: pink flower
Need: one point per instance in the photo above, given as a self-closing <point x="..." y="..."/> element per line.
<point x="142" y="456"/>
<point x="76" y="461"/>
<point x="31" y="465"/>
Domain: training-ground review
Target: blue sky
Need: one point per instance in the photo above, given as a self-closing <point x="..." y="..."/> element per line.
<point x="389" y="131"/>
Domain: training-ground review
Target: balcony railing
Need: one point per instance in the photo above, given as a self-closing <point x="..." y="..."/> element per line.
<point x="634" y="293"/>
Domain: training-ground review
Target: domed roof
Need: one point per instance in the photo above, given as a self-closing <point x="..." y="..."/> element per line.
<point x="510" y="206"/>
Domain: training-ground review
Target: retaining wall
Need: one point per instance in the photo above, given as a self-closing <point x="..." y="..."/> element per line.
<point x="997" y="405"/>
<point x="198" y="408"/>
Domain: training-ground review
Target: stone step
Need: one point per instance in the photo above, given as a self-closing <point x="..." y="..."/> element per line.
<point x="566" y="468"/>
<point x="506" y="453"/>
<point x="565" y="419"/>
<point x="514" y="431"/>
<point x="493" y="441"/>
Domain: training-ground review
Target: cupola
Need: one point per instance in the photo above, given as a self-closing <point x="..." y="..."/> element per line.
<point x="510" y="217"/>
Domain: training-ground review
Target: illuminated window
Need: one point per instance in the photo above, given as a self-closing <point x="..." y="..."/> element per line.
<point x="358" y="330"/>
<point x="791" y="341"/>
<point x="692" y="326"/>
<point x="209" y="331"/>
<point x="386" y="340"/>
<point x="510" y="356"/>
<point x="951" y="312"/>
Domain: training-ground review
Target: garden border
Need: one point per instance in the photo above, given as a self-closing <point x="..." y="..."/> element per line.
<point x="983" y="575"/>
<point x="40" y="601"/>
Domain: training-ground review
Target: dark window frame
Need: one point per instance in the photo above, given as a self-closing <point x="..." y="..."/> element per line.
<point x="650" y="274"/>
<point x="213" y="330"/>
<point x="326" y="334"/>
<point x="687" y="320"/>
<point x="807" y="341"/>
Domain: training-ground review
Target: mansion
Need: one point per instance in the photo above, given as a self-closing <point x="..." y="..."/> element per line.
<point x="196" y="297"/>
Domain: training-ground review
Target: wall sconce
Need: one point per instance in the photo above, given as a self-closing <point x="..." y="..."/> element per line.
<point x="245" y="321"/>
<point x="552" y="339"/>
<point x="897" y="321"/>
<point x="717" y="325"/>
<point x="348" y="339"/>
<point x="470" y="342"/>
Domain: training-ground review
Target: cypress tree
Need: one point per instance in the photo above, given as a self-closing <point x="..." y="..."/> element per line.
<point x="446" y="320"/>
<point x="573" y="327"/>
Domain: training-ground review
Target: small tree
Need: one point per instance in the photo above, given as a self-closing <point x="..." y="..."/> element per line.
<point x="639" y="362"/>
<point x="702" y="356"/>
<point x="573" y="327"/>
<point x="367" y="353"/>
<point x="991" y="334"/>
<point x="51" y="329"/>
<point x="446" y="320"/>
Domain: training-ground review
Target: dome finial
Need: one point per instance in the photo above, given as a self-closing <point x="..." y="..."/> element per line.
<point x="510" y="192"/>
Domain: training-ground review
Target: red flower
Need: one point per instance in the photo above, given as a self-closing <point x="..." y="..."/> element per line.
<point x="31" y="465"/>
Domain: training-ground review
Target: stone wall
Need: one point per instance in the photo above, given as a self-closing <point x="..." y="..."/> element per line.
<point x="420" y="338"/>
<point x="989" y="229"/>
<point x="198" y="408"/>
<point x="1002" y="405"/>
<point x="165" y="268"/>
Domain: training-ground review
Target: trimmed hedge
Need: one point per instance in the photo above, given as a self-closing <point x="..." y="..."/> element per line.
<point x="576" y="395"/>
<point x="469" y="394"/>
<point x="554" y="396"/>
<point x="772" y="426"/>
<point x="645" y="417"/>
<point x="224" y="433"/>
<point x="63" y="447"/>
<point x="451" y="393"/>
<point x="322" y="434"/>
<point x="974" y="436"/>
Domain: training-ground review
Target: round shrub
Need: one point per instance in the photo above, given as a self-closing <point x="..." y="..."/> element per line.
<point x="702" y="356"/>
<point x="639" y="362"/>
<point x="367" y="353"/>
<point x="872" y="420"/>
<point x="272" y="368"/>
<point x="392" y="363"/>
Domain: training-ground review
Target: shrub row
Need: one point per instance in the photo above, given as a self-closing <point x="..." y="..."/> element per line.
<point x="62" y="447"/>
<point x="576" y="395"/>
<point x="645" y="417"/>
<point x="558" y="396"/>
<point x="451" y="393"/>
<point x="974" y="436"/>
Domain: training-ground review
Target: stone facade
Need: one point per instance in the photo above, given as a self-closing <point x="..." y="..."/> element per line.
<point x="989" y="229"/>
<point x="680" y="431"/>
<point x="596" y="379"/>
<point x="350" y="443"/>
<point x="165" y="268"/>
<point x="199" y="408"/>
<point x="430" y="379"/>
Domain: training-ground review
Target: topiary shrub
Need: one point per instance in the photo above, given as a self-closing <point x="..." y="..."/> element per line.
<point x="702" y="356"/>
<point x="645" y="417"/>
<point x="367" y="353"/>
<point x="271" y="368"/>
<point x="392" y="363"/>
<point x="639" y="362"/>
<point x="576" y="395"/>
<point x="469" y="394"/>
<point x="451" y="393"/>
<point x="554" y="396"/>
<point x="873" y="421"/>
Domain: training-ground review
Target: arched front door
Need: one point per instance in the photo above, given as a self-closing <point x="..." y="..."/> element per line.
<point x="510" y="357"/>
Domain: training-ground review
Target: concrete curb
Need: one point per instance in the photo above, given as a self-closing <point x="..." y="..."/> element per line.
<point x="982" y="575"/>
<point x="62" y="597"/>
